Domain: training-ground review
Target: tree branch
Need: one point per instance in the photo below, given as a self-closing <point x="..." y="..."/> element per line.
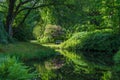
<point x="24" y="18"/>
<point x="43" y="5"/>
<point x="21" y="4"/>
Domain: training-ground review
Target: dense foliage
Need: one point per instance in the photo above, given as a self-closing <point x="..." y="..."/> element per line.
<point x="51" y="34"/>
<point x="104" y="40"/>
<point x="92" y="26"/>
<point x="11" y="69"/>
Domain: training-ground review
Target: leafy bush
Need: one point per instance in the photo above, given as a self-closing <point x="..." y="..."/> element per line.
<point x="52" y="33"/>
<point x="73" y="41"/>
<point x="99" y="40"/>
<point x="105" y="40"/>
<point x="38" y="31"/>
<point x="46" y="39"/>
<point x="11" y="69"/>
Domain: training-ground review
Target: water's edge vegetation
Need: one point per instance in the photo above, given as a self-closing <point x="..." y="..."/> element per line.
<point x="51" y="63"/>
<point x="59" y="39"/>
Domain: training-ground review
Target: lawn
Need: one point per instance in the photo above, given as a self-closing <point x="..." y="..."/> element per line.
<point x="27" y="51"/>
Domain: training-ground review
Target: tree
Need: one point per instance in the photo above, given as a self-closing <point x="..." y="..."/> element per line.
<point x="15" y="7"/>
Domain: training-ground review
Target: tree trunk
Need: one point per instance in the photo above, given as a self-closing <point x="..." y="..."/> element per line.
<point x="10" y="18"/>
<point x="9" y="23"/>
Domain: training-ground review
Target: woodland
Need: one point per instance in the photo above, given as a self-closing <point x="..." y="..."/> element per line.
<point x="59" y="39"/>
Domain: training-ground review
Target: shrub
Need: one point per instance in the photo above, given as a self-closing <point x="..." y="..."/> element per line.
<point x="46" y="39"/>
<point x="99" y="40"/>
<point x="73" y="41"/>
<point x="11" y="69"/>
<point x="52" y="33"/>
<point x="38" y="31"/>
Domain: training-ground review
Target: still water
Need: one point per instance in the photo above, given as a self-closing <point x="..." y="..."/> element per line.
<point x="76" y="66"/>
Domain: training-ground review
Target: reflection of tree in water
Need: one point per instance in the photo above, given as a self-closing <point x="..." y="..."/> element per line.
<point x="76" y="66"/>
<point x="101" y="58"/>
<point x="71" y="71"/>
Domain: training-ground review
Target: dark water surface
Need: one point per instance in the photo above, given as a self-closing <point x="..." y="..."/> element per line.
<point x="76" y="66"/>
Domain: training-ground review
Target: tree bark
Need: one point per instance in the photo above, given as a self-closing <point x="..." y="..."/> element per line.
<point x="10" y="18"/>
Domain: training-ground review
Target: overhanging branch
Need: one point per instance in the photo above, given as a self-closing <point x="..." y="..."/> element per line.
<point x="21" y="3"/>
<point x="43" y="5"/>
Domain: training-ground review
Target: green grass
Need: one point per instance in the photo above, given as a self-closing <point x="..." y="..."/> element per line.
<point x="54" y="46"/>
<point x="27" y="51"/>
<point x="50" y="45"/>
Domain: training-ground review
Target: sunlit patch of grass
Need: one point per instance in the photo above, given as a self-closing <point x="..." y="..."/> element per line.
<point x="27" y="51"/>
<point x="55" y="46"/>
<point x="51" y="45"/>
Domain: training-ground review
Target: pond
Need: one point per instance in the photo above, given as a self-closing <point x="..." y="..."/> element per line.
<point x="76" y="66"/>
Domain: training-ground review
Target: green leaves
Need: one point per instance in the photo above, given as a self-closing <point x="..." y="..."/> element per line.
<point x="99" y="40"/>
<point x="11" y="69"/>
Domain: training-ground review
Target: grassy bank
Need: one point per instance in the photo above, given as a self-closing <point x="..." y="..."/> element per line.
<point x="27" y="51"/>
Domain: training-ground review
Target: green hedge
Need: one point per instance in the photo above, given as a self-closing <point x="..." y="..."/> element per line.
<point x="99" y="40"/>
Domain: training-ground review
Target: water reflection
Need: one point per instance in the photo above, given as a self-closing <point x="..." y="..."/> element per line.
<point x="99" y="58"/>
<point x="74" y="66"/>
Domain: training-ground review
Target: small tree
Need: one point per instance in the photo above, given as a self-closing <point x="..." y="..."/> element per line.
<point x="55" y="32"/>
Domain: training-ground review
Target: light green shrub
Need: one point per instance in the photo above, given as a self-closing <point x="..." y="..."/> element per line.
<point x="52" y="33"/>
<point x="71" y="43"/>
<point x="46" y="39"/>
